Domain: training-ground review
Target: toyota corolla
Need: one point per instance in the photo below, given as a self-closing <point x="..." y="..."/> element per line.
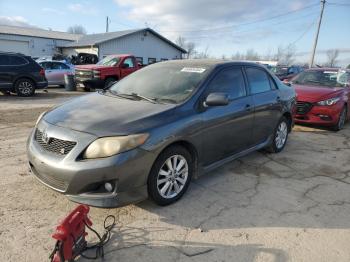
<point x="150" y="133"/>
<point x="323" y="97"/>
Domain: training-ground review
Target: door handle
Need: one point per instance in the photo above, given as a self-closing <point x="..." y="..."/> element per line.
<point x="278" y="99"/>
<point x="248" y="107"/>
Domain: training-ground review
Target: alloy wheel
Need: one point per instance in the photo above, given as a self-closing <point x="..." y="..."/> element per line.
<point x="25" y="87"/>
<point x="281" y="135"/>
<point x="172" y="176"/>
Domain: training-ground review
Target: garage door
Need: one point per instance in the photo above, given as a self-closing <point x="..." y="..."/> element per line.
<point x="14" y="46"/>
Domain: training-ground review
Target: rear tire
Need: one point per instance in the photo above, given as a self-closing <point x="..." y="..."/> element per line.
<point x="342" y="119"/>
<point x="170" y="175"/>
<point x="25" y="87"/>
<point x="280" y="136"/>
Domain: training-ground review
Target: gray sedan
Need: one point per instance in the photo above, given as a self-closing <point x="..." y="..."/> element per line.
<point x="153" y="131"/>
<point x="55" y="71"/>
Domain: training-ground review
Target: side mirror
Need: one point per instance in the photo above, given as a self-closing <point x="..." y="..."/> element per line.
<point x="216" y="99"/>
<point x="125" y="65"/>
<point x="287" y="82"/>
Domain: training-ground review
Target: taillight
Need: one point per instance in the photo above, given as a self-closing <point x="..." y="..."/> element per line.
<point x="42" y="72"/>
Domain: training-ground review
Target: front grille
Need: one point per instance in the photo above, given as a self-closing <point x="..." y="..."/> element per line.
<point x="82" y="75"/>
<point x="53" y="182"/>
<point x="54" y="145"/>
<point x="303" y="107"/>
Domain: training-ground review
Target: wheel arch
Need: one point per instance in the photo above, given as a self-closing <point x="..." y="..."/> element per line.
<point x="190" y="147"/>
<point x="289" y="117"/>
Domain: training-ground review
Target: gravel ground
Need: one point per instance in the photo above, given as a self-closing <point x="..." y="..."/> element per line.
<point x="292" y="206"/>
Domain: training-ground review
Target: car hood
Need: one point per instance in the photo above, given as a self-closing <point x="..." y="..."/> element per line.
<point x="91" y="67"/>
<point x="104" y="115"/>
<point x="312" y="94"/>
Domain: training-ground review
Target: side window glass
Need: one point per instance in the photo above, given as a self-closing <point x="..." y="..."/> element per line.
<point x="16" y="60"/>
<point x="229" y="81"/>
<point x="4" y="60"/>
<point x="258" y="80"/>
<point x="130" y="62"/>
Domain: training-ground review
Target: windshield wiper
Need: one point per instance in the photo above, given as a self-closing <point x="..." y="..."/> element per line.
<point x="169" y="100"/>
<point x="149" y="99"/>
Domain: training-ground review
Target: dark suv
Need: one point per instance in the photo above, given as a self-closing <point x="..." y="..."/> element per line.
<point x="20" y="74"/>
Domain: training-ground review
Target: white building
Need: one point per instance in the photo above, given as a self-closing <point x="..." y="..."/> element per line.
<point x="32" y="41"/>
<point x="146" y="44"/>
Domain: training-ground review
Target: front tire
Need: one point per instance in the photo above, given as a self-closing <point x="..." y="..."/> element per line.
<point x="280" y="136"/>
<point x="25" y="87"/>
<point x="109" y="82"/>
<point x="170" y="175"/>
<point x="342" y="119"/>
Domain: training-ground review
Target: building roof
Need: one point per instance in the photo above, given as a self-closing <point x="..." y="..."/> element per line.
<point x="96" y="39"/>
<point x="37" y="32"/>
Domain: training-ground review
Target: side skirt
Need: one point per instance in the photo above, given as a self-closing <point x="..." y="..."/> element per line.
<point x="221" y="162"/>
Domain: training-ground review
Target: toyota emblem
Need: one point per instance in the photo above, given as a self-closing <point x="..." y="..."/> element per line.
<point x="45" y="138"/>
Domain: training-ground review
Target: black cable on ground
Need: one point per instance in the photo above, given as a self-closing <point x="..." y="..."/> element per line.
<point x="102" y="240"/>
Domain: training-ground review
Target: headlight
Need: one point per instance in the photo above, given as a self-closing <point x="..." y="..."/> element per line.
<point x="39" y="118"/>
<point x="109" y="146"/>
<point x="96" y="73"/>
<point x="329" y="102"/>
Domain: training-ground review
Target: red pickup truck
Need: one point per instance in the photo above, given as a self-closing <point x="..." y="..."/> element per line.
<point x="110" y="69"/>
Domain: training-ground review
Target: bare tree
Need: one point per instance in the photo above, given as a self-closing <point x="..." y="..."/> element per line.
<point x="203" y="54"/>
<point x="190" y="47"/>
<point x="77" y="29"/>
<point x="237" y="56"/>
<point x="285" y="55"/>
<point x="332" y="56"/>
<point x="251" y="54"/>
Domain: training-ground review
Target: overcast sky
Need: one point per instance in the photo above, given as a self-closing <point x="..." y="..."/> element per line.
<point x="223" y="26"/>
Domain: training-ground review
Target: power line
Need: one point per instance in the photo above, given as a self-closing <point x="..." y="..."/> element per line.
<point x="243" y="24"/>
<point x="251" y="29"/>
<point x="304" y="33"/>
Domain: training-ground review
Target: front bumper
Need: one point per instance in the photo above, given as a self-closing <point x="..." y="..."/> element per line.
<point x="93" y="82"/>
<point x="321" y="115"/>
<point x="81" y="180"/>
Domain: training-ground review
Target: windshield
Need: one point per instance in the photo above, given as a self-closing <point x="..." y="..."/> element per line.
<point x="170" y="83"/>
<point x="323" y="78"/>
<point x="109" y="61"/>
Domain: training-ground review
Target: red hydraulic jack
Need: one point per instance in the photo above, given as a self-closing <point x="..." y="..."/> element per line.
<point x="70" y="235"/>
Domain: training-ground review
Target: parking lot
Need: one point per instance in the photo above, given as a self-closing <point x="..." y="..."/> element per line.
<point x="292" y="206"/>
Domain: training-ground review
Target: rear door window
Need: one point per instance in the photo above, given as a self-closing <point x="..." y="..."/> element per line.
<point x="17" y="60"/>
<point x="59" y="66"/>
<point x="259" y="81"/>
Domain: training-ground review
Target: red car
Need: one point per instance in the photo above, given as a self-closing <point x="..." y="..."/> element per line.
<point x="323" y="97"/>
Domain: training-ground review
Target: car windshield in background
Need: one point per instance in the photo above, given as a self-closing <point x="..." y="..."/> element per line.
<point x="323" y="78"/>
<point x="167" y="83"/>
<point x="109" y="61"/>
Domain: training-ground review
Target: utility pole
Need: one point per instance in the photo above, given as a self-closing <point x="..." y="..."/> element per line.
<point x="317" y="33"/>
<point x="107" y="23"/>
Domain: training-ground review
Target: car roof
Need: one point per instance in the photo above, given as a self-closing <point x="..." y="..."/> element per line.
<point x="323" y="69"/>
<point x="11" y="53"/>
<point x="209" y="62"/>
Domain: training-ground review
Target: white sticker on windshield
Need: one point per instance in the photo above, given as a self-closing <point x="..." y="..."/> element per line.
<point x="193" y="70"/>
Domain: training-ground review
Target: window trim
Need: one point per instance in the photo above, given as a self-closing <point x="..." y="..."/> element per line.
<point x="268" y="76"/>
